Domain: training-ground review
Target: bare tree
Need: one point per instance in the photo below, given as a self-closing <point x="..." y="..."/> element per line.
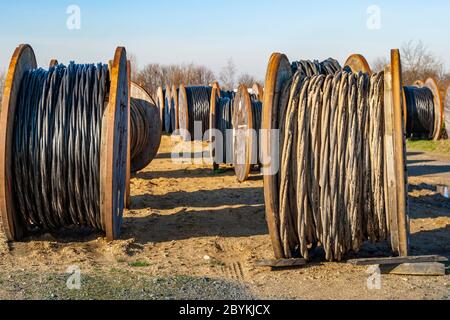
<point x="153" y="76"/>
<point x="134" y="65"/>
<point x="379" y="64"/>
<point x="227" y="75"/>
<point x="420" y="63"/>
<point x="247" y="79"/>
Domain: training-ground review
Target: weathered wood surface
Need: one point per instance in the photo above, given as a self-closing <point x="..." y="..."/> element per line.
<point x="396" y="260"/>
<point x="281" y="263"/>
<point x="415" y="269"/>
<point x="22" y="60"/>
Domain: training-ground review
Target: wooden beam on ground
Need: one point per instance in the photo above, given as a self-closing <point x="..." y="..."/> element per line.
<point x="397" y="260"/>
<point x="281" y="263"/>
<point x="415" y="269"/>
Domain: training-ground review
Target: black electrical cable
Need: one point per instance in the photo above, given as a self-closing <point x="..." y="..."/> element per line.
<point x="421" y="112"/>
<point x="168" y="113"/>
<point x="224" y="123"/>
<point x="198" y="103"/>
<point x="310" y="68"/>
<point x="56" y="150"/>
<point x="140" y="127"/>
<point x="173" y="111"/>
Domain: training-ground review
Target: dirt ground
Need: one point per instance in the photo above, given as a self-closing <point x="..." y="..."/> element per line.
<point x="195" y="234"/>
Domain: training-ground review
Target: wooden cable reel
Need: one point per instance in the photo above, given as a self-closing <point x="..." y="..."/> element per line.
<point x="447" y="112"/>
<point x="278" y="73"/>
<point x="245" y="140"/>
<point x="167" y="124"/>
<point x="149" y="152"/>
<point x="113" y="145"/>
<point x="175" y="108"/>
<point x="258" y="90"/>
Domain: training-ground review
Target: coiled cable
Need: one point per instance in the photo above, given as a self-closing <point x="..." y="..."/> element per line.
<point x="57" y="130"/>
<point x="421" y="112"/>
<point x="198" y="104"/>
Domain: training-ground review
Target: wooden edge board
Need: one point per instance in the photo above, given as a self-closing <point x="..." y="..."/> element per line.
<point x="447" y="111"/>
<point x="281" y="263"/>
<point x="432" y="269"/>
<point x="431" y="84"/>
<point x="183" y="113"/>
<point x="53" y="63"/>
<point x="22" y="61"/>
<point x="397" y="260"/>
<point x="128" y="173"/>
<point x="215" y="94"/>
<point x="113" y="153"/>
<point x="243" y="122"/>
<point x="278" y="71"/>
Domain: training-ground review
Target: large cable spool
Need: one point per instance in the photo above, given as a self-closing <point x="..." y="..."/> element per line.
<point x="167" y="124"/>
<point x="194" y="108"/>
<point x="221" y="123"/>
<point x="145" y="130"/>
<point x="175" y="123"/>
<point x="391" y="159"/>
<point x="111" y="143"/>
<point x="424" y="110"/>
<point x="447" y="112"/>
<point x="247" y="115"/>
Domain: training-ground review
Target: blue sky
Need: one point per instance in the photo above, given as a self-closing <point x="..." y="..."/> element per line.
<point x="210" y="32"/>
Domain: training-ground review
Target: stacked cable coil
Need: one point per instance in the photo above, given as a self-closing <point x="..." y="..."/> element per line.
<point x="194" y="111"/>
<point x="145" y="128"/>
<point x="331" y="187"/>
<point x="66" y="142"/>
<point x="424" y="115"/>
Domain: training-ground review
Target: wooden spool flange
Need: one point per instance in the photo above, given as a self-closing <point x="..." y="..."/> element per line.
<point x="245" y="150"/>
<point x="258" y="90"/>
<point x="278" y="72"/>
<point x="113" y="149"/>
<point x="447" y="111"/>
<point x="150" y="151"/>
<point x="174" y="99"/>
<point x="160" y="98"/>
<point x="215" y="95"/>
<point x="183" y="115"/>
<point x="357" y="63"/>
<point x="431" y="84"/>
<point x="53" y="63"/>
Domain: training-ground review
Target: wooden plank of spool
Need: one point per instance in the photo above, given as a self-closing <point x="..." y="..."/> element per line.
<point x="281" y="263"/>
<point x="258" y="90"/>
<point x="160" y="103"/>
<point x="53" y="63"/>
<point x="150" y="151"/>
<point x="244" y="139"/>
<point x="22" y="60"/>
<point x="278" y="72"/>
<point x="415" y="269"/>
<point x="431" y="84"/>
<point x="395" y="154"/>
<point x="357" y="63"/>
<point x="447" y="111"/>
<point x="215" y="93"/>
<point x="175" y="102"/>
<point x="114" y="145"/>
<point x="128" y="173"/>
<point x="396" y="260"/>
<point x="183" y="113"/>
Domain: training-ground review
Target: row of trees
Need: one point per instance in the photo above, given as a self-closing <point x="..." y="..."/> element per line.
<point x="418" y="63"/>
<point x="153" y="76"/>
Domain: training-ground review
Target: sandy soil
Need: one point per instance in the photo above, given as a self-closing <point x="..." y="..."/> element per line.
<point x="190" y="223"/>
